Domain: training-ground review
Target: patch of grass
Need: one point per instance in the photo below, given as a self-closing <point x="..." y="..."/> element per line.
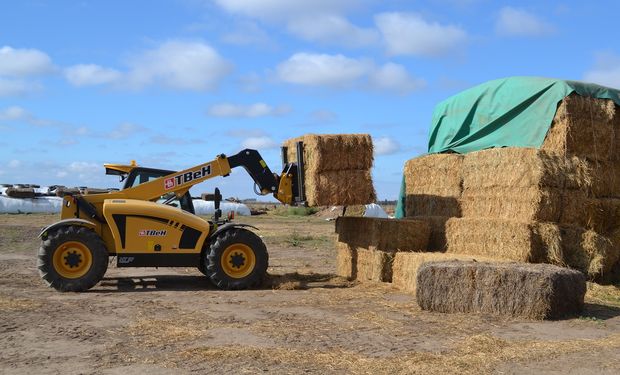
<point x="607" y="294"/>
<point x="305" y="240"/>
<point x="295" y="211"/>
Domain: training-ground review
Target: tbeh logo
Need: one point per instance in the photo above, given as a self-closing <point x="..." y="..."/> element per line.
<point x="169" y="183"/>
<point x="150" y="232"/>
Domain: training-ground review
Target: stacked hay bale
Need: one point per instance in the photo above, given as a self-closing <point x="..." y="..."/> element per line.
<point x="531" y="291"/>
<point x="337" y="168"/>
<point x="559" y="204"/>
<point x="366" y="246"/>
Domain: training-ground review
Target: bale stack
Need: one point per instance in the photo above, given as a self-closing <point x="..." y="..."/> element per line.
<point x="433" y="189"/>
<point x="337" y="168"/>
<point x="531" y="291"/>
<point x="558" y="205"/>
<point x="366" y="246"/>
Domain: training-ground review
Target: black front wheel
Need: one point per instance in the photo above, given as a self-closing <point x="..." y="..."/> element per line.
<point x="237" y="259"/>
<point x="72" y="259"/>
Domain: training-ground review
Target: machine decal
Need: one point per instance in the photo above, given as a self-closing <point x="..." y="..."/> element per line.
<point x="125" y="260"/>
<point x="151" y="233"/>
<point x="184" y="178"/>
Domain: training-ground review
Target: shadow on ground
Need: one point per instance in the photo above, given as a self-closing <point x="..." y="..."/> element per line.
<point x="289" y="281"/>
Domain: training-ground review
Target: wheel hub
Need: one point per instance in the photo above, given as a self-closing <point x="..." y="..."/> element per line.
<point x="237" y="260"/>
<point x="73" y="259"/>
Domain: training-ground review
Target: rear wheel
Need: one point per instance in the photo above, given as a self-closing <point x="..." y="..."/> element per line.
<point x="72" y="259"/>
<point x="237" y="259"/>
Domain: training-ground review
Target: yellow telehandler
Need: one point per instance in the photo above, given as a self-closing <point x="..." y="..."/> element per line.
<point x="151" y="223"/>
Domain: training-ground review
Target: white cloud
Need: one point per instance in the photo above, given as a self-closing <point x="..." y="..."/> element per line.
<point x="606" y="70"/>
<point x="123" y="131"/>
<point x="410" y="34"/>
<point x="259" y="143"/>
<point x="278" y="10"/>
<point x="322" y="69"/>
<point x="317" y="21"/>
<point x="338" y="71"/>
<point x="14" y="113"/>
<point x="332" y="29"/>
<point x="394" y="77"/>
<point x="17" y="87"/>
<point x="16" y="62"/>
<point x="91" y="74"/>
<point x="247" y="33"/>
<point x="252" y="110"/>
<point x="179" y="65"/>
<point x="513" y="21"/>
<point x="385" y="146"/>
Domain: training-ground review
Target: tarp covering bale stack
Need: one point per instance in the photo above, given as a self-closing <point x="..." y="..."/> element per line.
<point x="337" y="168"/>
<point x="366" y="246"/>
<point x="532" y="291"/>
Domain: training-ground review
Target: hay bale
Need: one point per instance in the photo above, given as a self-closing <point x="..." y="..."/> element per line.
<point x="16" y="192"/>
<point x="605" y="177"/>
<point x="433" y="185"/>
<point x="406" y="265"/>
<point x="583" y="127"/>
<point x="337" y="168"/>
<point x="588" y="252"/>
<point x="514" y="240"/>
<point x="532" y="291"/>
<point x="346" y="261"/>
<point x="333" y="152"/>
<point x="373" y="265"/>
<point x="63" y="191"/>
<point x="437" y="238"/>
<point x="339" y="188"/>
<point x="388" y="235"/>
<point x="513" y="167"/>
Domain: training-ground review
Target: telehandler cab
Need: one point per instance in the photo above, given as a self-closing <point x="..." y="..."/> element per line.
<point x="151" y="223"/>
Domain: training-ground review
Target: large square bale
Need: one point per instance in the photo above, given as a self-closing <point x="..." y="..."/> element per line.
<point x="388" y="235"/>
<point x="336" y="168"/>
<point x="587" y="251"/>
<point x="346" y="261"/>
<point x="513" y="167"/>
<point x="333" y="152"/>
<point x="583" y="127"/>
<point x="515" y="240"/>
<point x="433" y="185"/>
<point x="531" y="291"/>
<point x="373" y="265"/>
<point x="437" y="238"/>
<point x="406" y="265"/>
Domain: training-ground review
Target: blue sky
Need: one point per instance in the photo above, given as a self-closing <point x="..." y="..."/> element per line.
<point x="173" y="83"/>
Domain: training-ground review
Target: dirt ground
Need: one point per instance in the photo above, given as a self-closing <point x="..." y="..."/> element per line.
<point x="304" y="320"/>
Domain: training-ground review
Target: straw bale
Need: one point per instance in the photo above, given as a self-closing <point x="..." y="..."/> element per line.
<point x="432" y="205"/>
<point x="605" y="178"/>
<point x="522" y="168"/>
<point x="388" y="235"/>
<point x="588" y="252"/>
<point x="333" y="152"/>
<point x="62" y="191"/>
<point x="519" y="241"/>
<point x="406" y="265"/>
<point x="339" y="188"/>
<point x="536" y="204"/>
<point x="437" y="238"/>
<point x="531" y="291"/>
<point x="582" y="127"/>
<point x="14" y="192"/>
<point x="373" y="265"/>
<point x="434" y="175"/>
<point x="346" y="261"/>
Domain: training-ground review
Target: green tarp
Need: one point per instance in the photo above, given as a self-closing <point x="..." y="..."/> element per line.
<point x="509" y="112"/>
